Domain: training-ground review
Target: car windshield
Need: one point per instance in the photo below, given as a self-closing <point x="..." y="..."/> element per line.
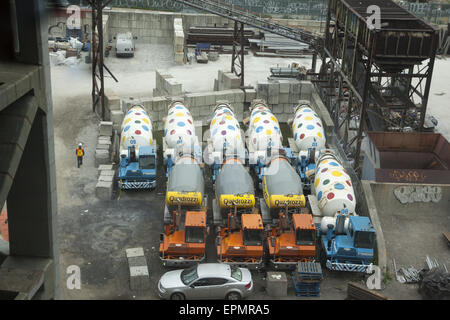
<point x="194" y="235"/>
<point x="364" y="239"/>
<point x="236" y="273"/>
<point x="189" y="275"/>
<point x="305" y="237"/>
<point x="252" y="237"/>
<point x="147" y="162"/>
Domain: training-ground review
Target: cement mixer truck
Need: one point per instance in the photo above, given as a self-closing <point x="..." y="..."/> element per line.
<point x="309" y="139"/>
<point x="347" y="240"/>
<point x="293" y="232"/>
<point x="179" y="135"/>
<point x="137" y="151"/>
<point x="185" y="231"/>
<point x="225" y="139"/>
<point x="239" y="226"/>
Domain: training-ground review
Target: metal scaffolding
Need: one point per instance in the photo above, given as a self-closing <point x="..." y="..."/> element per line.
<point x="373" y="79"/>
<point x="237" y="58"/>
<point x="97" y="55"/>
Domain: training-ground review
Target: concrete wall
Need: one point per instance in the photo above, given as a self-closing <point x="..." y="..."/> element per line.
<point x="157" y="26"/>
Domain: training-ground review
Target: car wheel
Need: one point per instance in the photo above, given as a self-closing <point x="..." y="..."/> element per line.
<point x="177" y="296"/>
<point x="233" y="296"/>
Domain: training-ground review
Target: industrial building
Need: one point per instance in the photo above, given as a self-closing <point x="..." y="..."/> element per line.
<point x="309" y="149"/>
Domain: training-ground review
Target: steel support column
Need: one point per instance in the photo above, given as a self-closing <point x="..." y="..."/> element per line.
<point x="237" y="59"/>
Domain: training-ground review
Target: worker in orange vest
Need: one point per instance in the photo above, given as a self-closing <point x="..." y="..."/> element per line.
<point x="80" y="153"/>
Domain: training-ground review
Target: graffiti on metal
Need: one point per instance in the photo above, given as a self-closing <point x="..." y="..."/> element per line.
<point x="412" y="176"/>
<point x="411" y="194"/>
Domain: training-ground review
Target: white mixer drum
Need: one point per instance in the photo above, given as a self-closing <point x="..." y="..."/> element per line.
<point x="307" y="129"/>
<point x="179" y="126"/>
<point x="136" y="129"/>
<point x="224" y="126"/>
<point x="333" y="187"/>
<point x="264" y="127"/>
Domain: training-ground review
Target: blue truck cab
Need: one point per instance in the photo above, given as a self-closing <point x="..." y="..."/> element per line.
<point x="349" y="249"/>
<point x="138" y="171"/>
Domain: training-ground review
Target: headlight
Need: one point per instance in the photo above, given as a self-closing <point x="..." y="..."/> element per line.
<point x="161" y="288"/>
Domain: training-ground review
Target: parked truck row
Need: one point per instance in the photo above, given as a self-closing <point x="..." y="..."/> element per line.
<point x="307" y="208"/>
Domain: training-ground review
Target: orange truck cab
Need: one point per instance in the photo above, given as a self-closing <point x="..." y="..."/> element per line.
<point x="241" y="242"/>
<point x="293" y="240"/>
<point x="183" y="243"/>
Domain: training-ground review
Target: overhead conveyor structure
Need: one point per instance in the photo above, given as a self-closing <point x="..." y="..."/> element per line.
<point x="370" y="79"/>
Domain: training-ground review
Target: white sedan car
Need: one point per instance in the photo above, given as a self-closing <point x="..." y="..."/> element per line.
<point x="206" y="281"/>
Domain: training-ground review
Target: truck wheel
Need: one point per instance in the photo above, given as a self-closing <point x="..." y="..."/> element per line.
<point x="177" y="296"/>
<point x="233" y="296"/>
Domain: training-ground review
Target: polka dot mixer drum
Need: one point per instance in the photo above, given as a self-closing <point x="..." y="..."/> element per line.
<point x="225" y="127"/>
<point x="333" y="186"/>
<point x="307" y="129"/>
<point x="136" y="129"/>
<point x="179" y="129"/>
<point x="263" y="128"/>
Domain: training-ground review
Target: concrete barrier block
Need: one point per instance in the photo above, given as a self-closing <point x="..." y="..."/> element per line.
<point x="117" y="119"/>
<point x="195" y="111"/>
<point x="103" y="190"/>
<point x="205" y="110"/>
<point x="293" y="97"/>
<point x="289" y="108"/>
<point x="277" y="109"/>
<point x="295" y="87"/>
<point x="239" y="95"/>
<point x="250" y="95"/>
<point x="105" y="167"/>
<point x="276" y="284"/>
<point x="284" y="86"/>
<point x="105" y="128"/>
<point x="106" y="179"/>
<point x="283" y="98"/>
<point x="210" y="98"/>
<point x="113" y="102"/>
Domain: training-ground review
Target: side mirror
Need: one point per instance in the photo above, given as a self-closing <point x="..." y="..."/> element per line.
<point x="114" y="38"/>
<point x="161" y="237"/>
<point x="135" y="38"/>
<point x="192" y="286"/>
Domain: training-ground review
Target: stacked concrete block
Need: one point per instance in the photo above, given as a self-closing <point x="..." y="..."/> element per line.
<point x="276" y="284"/>
<point x="105" y="183"/>
<point x="166" y="85"/>
<point x="103" y="150"/>
<point x="103" y="190"/>
<point x="139" y="276"/>
<point x="227" y="80"/>
<point x="178" y="41"/>
<point x="282" y="95"/>
<point x="250" y="95"/>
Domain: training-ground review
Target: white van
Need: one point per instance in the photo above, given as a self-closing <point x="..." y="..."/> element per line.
<point x="125" y="44"/>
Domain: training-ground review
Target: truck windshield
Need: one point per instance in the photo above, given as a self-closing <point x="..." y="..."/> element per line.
<point x="189" y="275"/>
<point x="147" y="162"/>
<point x="305" y="237"/>
<point x="364" y="239"/>
<point x="195" y="235"/>
<point x="252" y="237"/>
